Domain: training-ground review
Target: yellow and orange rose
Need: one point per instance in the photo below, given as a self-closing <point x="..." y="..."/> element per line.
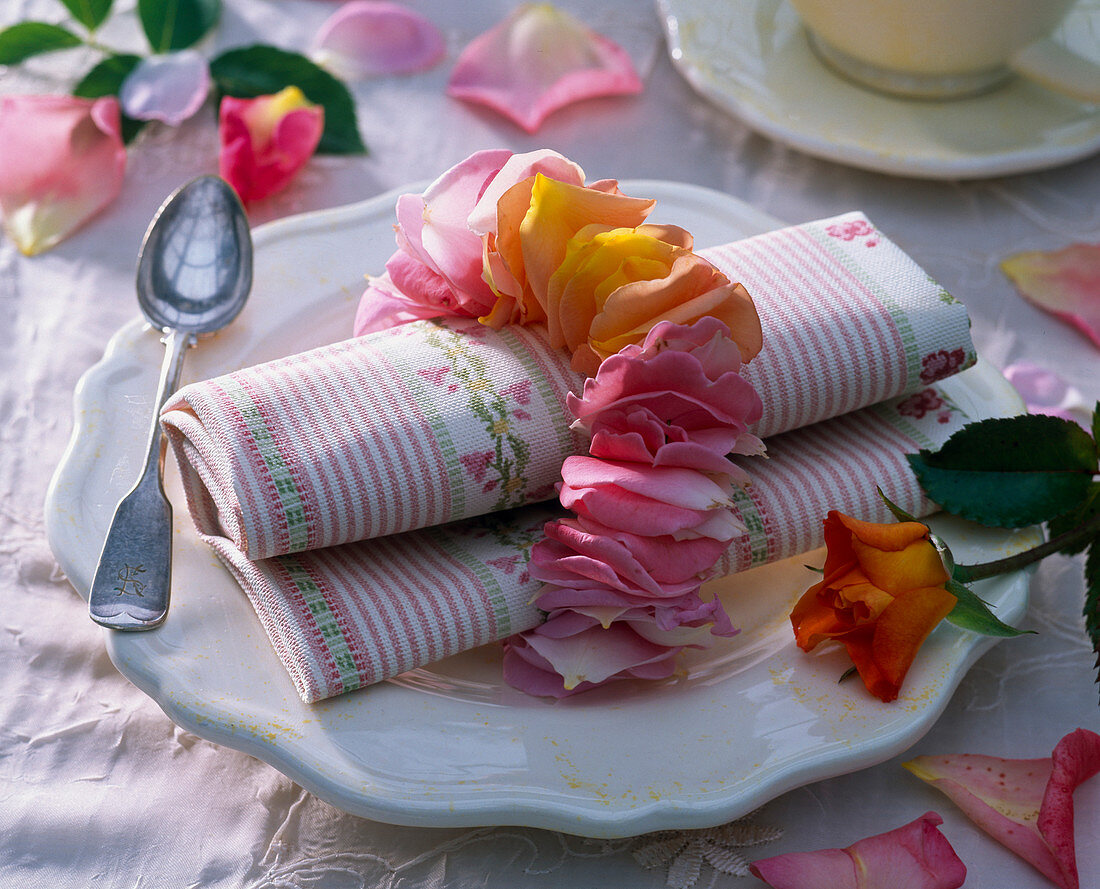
<point x="883" y="592"/>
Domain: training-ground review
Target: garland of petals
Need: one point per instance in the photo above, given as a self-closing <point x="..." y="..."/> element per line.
<point x="651" y="514"/>
<point x="661" y="335"/>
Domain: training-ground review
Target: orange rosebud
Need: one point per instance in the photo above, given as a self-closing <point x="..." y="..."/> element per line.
<point x="883" y="592"/>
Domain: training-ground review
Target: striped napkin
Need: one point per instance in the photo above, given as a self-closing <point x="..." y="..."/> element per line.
<point x="434" y="422"/>
<point x="348" y="616"/>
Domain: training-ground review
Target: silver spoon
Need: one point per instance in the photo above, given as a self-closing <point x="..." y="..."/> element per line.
<point x="193" y="277"/>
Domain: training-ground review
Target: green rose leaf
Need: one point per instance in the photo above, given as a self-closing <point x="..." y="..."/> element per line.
<point x="1084" y="512"/>
<point x="28" y="39"/>
<point x="90" y="13"/>
<point x="972" y="613"/>
<point x="1010" y="472"/>
<point x="1092" y="598"/>
<point x="263" y="70"/>
<point x="105" y="79"/>
<point x="177" y="24"/>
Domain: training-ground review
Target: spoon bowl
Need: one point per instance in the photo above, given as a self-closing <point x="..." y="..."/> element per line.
<point x="194" y="275"/>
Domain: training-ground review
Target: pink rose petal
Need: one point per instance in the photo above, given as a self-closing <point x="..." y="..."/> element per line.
<point x="61" y="161"/>
<point x="1045" y="392"/>
<point x="538" y="60"/>
<point x="915" y="856"/>
<point x="1024" y="804"/>
<point x="1064" y="282"/>
<point x="168" y="88"/>
<point x="363" y="39"/>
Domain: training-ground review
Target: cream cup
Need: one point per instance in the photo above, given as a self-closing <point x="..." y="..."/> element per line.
<point x="941" y="49"/>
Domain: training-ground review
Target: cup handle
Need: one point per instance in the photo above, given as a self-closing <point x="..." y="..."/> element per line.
<point x="1059" y="69"/>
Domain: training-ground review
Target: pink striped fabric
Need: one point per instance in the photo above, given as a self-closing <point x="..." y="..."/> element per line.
<point x="348" y="616"/>
<point x="431" y="423"/>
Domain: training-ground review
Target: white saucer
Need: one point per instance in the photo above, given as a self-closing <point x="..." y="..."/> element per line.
<point x="752" y="58"/>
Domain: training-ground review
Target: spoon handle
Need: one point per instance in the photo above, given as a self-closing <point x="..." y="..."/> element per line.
<point x="133" y="581"/>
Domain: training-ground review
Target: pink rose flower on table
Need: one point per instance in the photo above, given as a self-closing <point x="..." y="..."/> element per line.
<point x="916" y="856"/>
<point x="438" y="268"/>
<point x="1064" y="282"/>
<point x="265" y="141"/>
<point x="62" y="161"/>
<point x="648" y="500"/>
<point x="1024" y="804"/>
<point x="540" y="59"/>
<point x="677" y="399"/>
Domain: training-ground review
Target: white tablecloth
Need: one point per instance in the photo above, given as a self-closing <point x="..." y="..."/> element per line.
<point x="99" y="788"/>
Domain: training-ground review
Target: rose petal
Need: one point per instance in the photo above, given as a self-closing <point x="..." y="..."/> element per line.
<point x="168" y="88"/>
<point x="1045" y="392"/>
<point x="1063" y="282"/>
<point x="61" y="161"/>
<point x="537" y="60"/>
<point x="915" y="856"/>
<point x="363" y="39"/>
<point x="1024" y="804"/>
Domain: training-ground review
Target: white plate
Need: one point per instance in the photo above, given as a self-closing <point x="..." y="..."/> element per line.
<point x="450" y="745"/>
<point x="752" y="59"/>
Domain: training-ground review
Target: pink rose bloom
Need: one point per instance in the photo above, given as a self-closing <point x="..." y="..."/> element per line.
<point x="573" y="652"/>
<point x="675" y="400"/>
<point x="648" y="500"/>
<point x="437" y="269"/>
<point x="916" y="856"/>
<point x="267" y="140"/>
<point x="581" y="554"/>
<point x="61" y="161"/>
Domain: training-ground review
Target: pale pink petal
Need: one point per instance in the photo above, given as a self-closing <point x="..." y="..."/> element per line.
<point x="362" y="39"/>
<point x="583" y="654"/>
<point x="1045" y="392"/>
<point x="168" y="88"/>
<point x="1025" y="804"/>
<point x="482" y="219"/>
<point x="382" y="307"/>
<point x="61" y="161"/>
<point x="1064" y="282"/>
<point x="538" y="60"/>
<point x="915" y="856"/>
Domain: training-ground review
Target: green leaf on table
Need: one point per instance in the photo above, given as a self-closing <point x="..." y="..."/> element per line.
<point x="28" y="39"/>
<point x="90" y="13"/>
<point x="1092" y="599"/>
<point x="1085" y="511"/>
<point x="1096" y="423"/>
<point x="1010" y="472"/>
<point x="177" y="24"/>
<point x="972" y="613"/>
<point x="263" y="70"/>
<point x="105" y="79"/>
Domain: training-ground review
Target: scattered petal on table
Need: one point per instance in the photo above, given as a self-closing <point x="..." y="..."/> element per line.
<point x="1045" y="392"/>
<point x="1064" y="282"/>
<point x="1025" y="804"/>
<point x="538" y="60"/>
<point x="364" y="38"/>
<point x="916" y="856"/>
<point x="61" y="161"/>
<point x="267" y="140"/>
<point x="168" y="88"/>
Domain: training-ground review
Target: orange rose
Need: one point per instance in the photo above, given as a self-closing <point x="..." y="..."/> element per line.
<point x="882" y="594"/>
<point x="614" y="285"/>
<point x="535" y="220"/>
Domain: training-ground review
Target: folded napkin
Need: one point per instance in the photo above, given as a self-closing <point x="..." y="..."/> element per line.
<point x="348" y="616"/>
<point x="433" y="422"/>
